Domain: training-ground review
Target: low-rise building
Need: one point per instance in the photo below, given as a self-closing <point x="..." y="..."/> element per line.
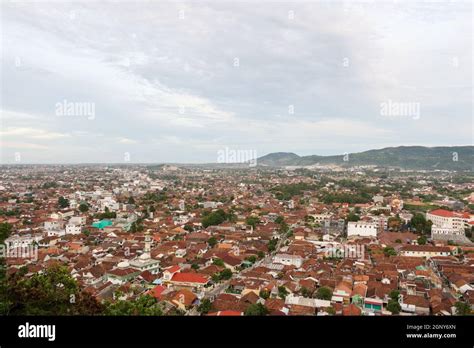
<point x="362" y="229"/>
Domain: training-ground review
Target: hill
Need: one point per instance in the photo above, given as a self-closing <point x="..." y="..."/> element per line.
<point x="406" y="157"/>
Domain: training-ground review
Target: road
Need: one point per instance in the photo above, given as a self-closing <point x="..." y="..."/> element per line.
<point x="267" y="259"/>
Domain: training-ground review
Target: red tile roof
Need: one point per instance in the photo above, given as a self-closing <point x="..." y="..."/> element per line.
<point x="189" y="278"/>
<point x="442" y="212"/>
<point x="157" y="290"/>
<point x="448" y="213"/>
<point x="352" y="309"/>
<point x="173" y="269"/>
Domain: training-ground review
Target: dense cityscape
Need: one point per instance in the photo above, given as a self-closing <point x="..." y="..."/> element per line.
<point x="233" y="241"/>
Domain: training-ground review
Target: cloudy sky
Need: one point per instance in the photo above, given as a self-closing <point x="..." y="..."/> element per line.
<point x="177" y="82"/>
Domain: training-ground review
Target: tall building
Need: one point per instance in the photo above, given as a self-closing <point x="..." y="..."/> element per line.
<point x="449" y="219"/>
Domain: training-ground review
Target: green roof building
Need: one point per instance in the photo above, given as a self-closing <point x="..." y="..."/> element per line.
<point x="102" y="224"/>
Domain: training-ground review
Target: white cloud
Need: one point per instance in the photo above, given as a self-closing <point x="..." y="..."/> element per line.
<point x="126" y="141"/>
<point x="152" y="75"/>
<point x="32" y="133"/>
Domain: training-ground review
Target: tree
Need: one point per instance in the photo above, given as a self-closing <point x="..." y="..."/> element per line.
<point x="212" y="242"/>
<point x="216" y="278"/>
<point x="469" y="232"/>
<point x="353" y="217"/>
<point x="63" y="202"/>
<point x="143" y="305"/>
<point x="107" y="214"/>
<point x="394" y="295"/>
<point x="131" y="200"/>
<point x="53" y="292"/>
<point x="225" y="274"/>
<point x="215" y="218"/>
<point x="256" y="309"/>
<point x="393" y="306"/>
<point x="261" y="254"/>
<point x="195" y="266"/>
<point x="279" y="219"/>
<point x="419" y="223"/>
<point x="136" y="227"/>
<point x="462" y="308"/>
<point x="264" y="293"/>
<point x="205" y="306"/>
<point x="421" y="240"/>
<point x="218" y="262"/>
<point x="5" y="230"/>
<point x="83" y="207"/>
<point x="272" y="244"/>
<point x="324" y="293"/>
<point x="389" y="251"/>
<point x="282" y="292"/>
<point x="305" y="292"/>
<point x="251" y="258"/>
<point x="252" y="221"/>
<point x="394" y="223"/>
<point x="284" y="227"/>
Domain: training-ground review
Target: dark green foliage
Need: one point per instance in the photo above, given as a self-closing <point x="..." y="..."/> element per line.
<point x="324" y="293"/>
<point x="256" y="309"/>
<point x="215" y="218"/>
<point x="54" y="292"/>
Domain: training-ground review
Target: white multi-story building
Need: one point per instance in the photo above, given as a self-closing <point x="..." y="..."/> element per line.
<point x="448" y="219"/>
<point x="56" y="233"/>
<point x="65" y="214"/>
<point x="363" y="229"/>
<point x="424" y="251"/>
<point x="445" y="231"/>
<point x="288" y="260"/>
<point x="73" y="229"/>
<point x="320" y="218"/>
<point x="381" y="221"/>
<point x="53" y="224"/>
<point x="21" y="241"/>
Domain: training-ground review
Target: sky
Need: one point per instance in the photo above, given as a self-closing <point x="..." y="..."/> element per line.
<point x="152" y="82"/>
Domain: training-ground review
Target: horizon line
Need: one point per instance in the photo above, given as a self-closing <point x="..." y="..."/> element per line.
<point x="214" y="163"/>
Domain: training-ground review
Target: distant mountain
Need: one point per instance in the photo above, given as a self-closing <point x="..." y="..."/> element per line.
<point x="407" y="157"/>
<point x="278" y="158"/>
